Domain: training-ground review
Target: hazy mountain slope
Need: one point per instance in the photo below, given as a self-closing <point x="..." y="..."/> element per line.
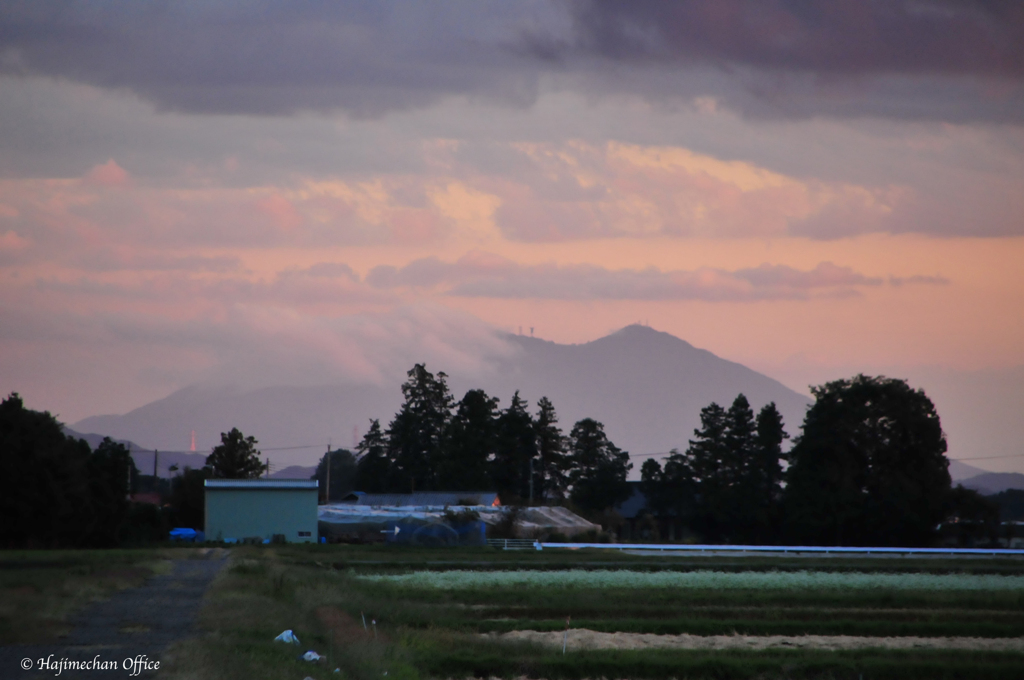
<point x="647" y="387"/>
<point x="994" y="482"/>
<point x="276" y="416"/>
<point x="961" y="471"/>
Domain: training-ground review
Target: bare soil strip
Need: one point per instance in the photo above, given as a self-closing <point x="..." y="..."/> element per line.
<point x="582" y="639"/>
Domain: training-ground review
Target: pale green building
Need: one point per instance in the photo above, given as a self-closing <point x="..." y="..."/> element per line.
<point x="240" y="509"/>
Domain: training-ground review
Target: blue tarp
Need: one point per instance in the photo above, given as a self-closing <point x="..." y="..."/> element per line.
<point x="189" y="535"/>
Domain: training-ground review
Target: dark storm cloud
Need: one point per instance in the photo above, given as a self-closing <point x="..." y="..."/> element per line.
<point x="927" y="59"/>
<point x="271" y="57"/>
<point x="848" y="37"/>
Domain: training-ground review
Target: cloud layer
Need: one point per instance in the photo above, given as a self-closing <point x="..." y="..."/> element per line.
<point x="480" y="274"/>
<point x="903" y="58"/>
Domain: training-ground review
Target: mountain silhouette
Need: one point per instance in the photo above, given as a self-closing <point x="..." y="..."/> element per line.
<point x="646" y="386"/>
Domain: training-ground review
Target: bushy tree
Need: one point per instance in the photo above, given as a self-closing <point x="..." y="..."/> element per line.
<point x="236" y="457"/>
<point x="110" y="470"/>
<point x="54" y="490"/>
<point x="188" y="498"/>
<point x="599" y="468"/>
<point x="343" y="474"/>
<point x="671" y="492"/>
<point x="869" y="467"/>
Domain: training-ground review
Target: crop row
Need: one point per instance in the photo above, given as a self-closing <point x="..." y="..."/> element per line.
<point x="774" y="580"/>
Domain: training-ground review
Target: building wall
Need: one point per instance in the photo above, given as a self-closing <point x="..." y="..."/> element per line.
<point x="245" y="513"/>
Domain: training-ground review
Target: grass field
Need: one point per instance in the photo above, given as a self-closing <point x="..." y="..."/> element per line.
<point x="40" y="589"/>
<point x="433" y="614"/>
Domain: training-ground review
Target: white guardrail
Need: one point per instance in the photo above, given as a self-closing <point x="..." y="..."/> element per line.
<point x="782" y="549"/>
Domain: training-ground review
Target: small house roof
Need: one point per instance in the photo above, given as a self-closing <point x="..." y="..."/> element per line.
<point x="261" y="484"/>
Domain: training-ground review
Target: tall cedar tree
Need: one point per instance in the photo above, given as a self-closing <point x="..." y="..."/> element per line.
<point x="726" y="486"/>
<point x="598" y="475"/>
<point x="769" y="475"/>
<point x="416" y="435"/>
<point x="869" y="468"/>
<point x="372" y="468"/>
<point x="236" y="457"/>
<point x="471" y="444"/>
<point x="551" y="480"/>
<point x="516" y="448"/>
<point x="343" y="474"/>
<point x="707" y="460"/>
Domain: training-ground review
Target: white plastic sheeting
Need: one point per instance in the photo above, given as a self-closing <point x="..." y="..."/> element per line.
<point x="531" y="521"/>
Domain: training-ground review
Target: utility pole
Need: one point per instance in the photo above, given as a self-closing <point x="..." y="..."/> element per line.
<point x="327" y="491"/>
<point x="531" y="481"/>
<point x="156" y="460"/>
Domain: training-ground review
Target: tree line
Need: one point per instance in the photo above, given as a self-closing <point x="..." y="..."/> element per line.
<point x="435" y="443"/>
<point x="55" y="490"/>
<point x="868" y="468"/>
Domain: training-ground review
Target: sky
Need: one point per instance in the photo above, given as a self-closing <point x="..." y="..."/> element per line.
<point x="261" y="192"/>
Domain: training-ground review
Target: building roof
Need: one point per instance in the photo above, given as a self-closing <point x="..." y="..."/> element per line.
<point x="261" y="484"/>
<point x="424" y="498"/>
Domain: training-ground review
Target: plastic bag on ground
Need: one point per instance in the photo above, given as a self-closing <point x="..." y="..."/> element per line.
<point x="287" y="636"/>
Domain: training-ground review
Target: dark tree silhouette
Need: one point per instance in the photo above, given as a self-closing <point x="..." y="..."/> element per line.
<point x="416" y="435"/>
<point x="343" y="474"/>
<point x="598" y="475"/>
<point x="766" y="471"/>
<point x="110" y="469"/>
<point x="551" y="470"/>
<point x="869" y="468"/>
<point x="54" y="490"/>
<point x="188" y="498"/>
<point x="726" y="485"/>
<point x="236" y="457"/>
<point x="516" y="449"/>
<point x="373" y="465"/>
<point x="470" y="444"/>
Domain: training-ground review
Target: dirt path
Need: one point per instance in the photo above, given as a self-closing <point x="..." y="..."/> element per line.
<point x="132" y="623"/>
<point x="581" y="638"/>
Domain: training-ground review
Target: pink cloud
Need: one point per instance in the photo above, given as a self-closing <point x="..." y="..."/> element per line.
<point x="281" y="212"/>
<point x="108" y="174"/>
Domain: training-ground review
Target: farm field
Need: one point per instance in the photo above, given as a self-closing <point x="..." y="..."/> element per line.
<point x="39" y="589"/>
<point x="461" y="613"/>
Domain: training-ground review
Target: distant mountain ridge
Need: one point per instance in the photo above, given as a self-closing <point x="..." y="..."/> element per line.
<point x="646" y="386"/>
<point x="990" y="483"/>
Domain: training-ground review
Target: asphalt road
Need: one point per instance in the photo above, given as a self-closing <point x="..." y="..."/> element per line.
<point x="131" y="629"/>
